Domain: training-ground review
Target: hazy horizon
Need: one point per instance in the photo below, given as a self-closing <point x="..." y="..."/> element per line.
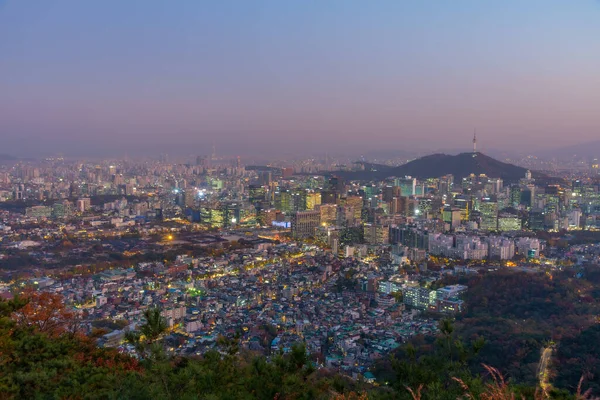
<point x="261" y="77"/>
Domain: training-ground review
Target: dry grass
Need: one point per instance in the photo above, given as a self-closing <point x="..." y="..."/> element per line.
<point x="416" y="395"/>
<point x="498" y="389"/>
<point x="587" y="395"/>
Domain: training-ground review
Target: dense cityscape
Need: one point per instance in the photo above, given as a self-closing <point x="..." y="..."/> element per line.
<point x="277" y="255"/>
<point x="299" y="200"/>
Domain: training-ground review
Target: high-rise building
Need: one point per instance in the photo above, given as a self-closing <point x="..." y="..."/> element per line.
<point x="264" y="178"/>
<point x="489" y="214"/>
<point x="283" y="201"/>
<point x="536" y="220"/>
<point x="346" y="216"/>
<point x="515" y="195"/>
<point x="189" y="198"/>
<point x="4" y="177"/>
<point x="419" y="297"/>
<point x="232" y="213"/>
<point x="299" y="200"/>
<point x="211" y="215"/>
<point x="19" y="192"/>
<point x="574" y="218"/>
<point x="266" y="217"/>
<point x="424" y="207"/>
<point x="356" y="202"/>
<point x="408" y="185"/>
<point x="527" y="198"/>
<point x="501" y="248"/>
<point x="313" y="199"/>
<point x="304" y="223"/>
<point x="398" y="205"/>
<point x="220" y="215"/>
<point x="129" y="189"/>
<point x="118" y="179"/>
<point x="391" y="192"/>
<point x="451" y="216"/>
<point x="445" y="184"/>
<point x="84" y="204"/>
<point x="38" y="211"/>
<point x="495" y="185"/>
<point x="509" y="220"/>
<point x="376" y="234"/>
<point x="368" y="193"/>
<point x="336" y="184"/>
<point x="329" y="197"/>
<point x="328" y="213"/>
<point x="528" y="247"/>
<point x="256" y="194"/>
<point x="465" y="206"/>
<point x="410" y="237"/>
<point x="62" y="209"/>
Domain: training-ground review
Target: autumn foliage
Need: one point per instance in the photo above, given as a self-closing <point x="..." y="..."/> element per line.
<point x="42" y="352"/>
<point x="45" y="313"/>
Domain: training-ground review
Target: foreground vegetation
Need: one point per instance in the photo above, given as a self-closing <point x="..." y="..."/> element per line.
<point x="43" y="356"/>
<point x="519" y="313"/>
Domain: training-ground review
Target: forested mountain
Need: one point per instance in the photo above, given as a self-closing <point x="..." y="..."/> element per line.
<point x="519" y="313"/>
<point x="436" y="165"/>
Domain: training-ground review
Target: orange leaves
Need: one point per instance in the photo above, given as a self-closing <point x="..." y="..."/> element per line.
<point x="351" y="396"/>
<point x="88" y="353"/>
<point x="45" y="313"/>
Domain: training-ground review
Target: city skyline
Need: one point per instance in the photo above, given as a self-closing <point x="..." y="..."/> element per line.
<point x="299" y="199"/>
<point x="93" y="79"/>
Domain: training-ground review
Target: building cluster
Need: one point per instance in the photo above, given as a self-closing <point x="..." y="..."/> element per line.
<point x="278" y="254"/>
<point x="347" y="312"/>
<point x="227" y="195"/>
<point x="467" y="247"/>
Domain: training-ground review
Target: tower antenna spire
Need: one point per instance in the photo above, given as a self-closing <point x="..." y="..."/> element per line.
<point x="474" y="140"/>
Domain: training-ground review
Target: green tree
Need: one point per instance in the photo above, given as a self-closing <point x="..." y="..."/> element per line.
<point x="148" y="340"/>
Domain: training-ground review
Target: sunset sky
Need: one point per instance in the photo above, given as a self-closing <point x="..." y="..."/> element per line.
<point x="107" y="76"/>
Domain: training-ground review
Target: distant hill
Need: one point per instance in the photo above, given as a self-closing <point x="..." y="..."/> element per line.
<point x="436" y="165"/>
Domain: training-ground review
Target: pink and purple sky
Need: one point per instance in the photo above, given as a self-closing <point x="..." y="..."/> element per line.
<point x="113" y="76"/>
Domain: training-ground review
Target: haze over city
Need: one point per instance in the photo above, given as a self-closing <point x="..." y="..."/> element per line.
<point x="258" y="77"/>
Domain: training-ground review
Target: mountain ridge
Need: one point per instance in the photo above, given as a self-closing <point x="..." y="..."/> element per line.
<point x="437" y="165"/>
